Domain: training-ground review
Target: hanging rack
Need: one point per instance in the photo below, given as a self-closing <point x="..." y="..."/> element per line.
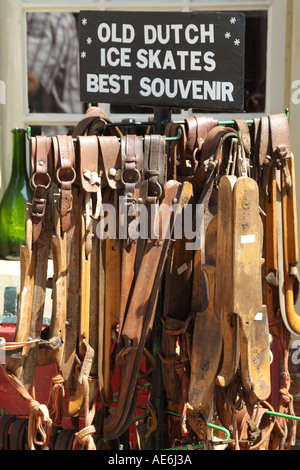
<point x="177" y="137"/>
<point x="152" y="123"/>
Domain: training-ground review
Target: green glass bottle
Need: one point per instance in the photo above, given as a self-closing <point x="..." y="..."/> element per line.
<point x="13" y="204"/>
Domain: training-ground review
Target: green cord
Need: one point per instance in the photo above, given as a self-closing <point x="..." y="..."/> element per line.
<point x="282" y="415"/>
<point x="220" y="428"/>
<point x="177" y="137"/>
<point x="210" y="425"/>
<point x="201" y="446"/>
<point x="193" y="447"/>
<point x="138" y="418"/>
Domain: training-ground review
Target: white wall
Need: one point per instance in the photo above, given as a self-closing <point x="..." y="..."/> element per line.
<point x="11" y="72"/>
<point x="295" y="103"/>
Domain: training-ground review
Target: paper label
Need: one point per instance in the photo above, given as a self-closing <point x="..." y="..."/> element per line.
<point x="247" y="239"/>
<point x="258" y="316"/>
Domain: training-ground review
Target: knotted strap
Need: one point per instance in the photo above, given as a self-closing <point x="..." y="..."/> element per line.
<point x="255" y="430"/>
<point x="84" y="437"/>
<point x="39" y="424"/>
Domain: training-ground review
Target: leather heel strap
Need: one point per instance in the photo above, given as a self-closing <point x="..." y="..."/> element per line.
<point x="154" y="164"/>
<point x="197" y="130"/>
<point x="94" y="122"/>
<point x="88" y="163"/>
<point x="110" y="161"/>
<point x="132" y="162"/>
<point x="41" y="179"/>
<point x="65" y="176"/>
<point x="132" y="176"/>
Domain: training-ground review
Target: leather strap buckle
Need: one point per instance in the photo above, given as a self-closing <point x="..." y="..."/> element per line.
<point x="133" y="176"/>
<point x="34" y="185"/>
<point x="71" y="181"/>
<point x="38" y="200"/>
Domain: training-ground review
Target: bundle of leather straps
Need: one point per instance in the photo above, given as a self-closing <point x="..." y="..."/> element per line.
<point x="193" y="232"/>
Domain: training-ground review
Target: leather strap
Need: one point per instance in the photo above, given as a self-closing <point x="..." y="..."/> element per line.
<point x="132" y="162"/>
<point x="110" y="161"/>
<point x="279" y="131"/>
<point x="263" y="139"/>
<point x="41" y="179"/>
<point x="38" y="300"/>
<point x="191" y="131"/>
<point x="131" y="176"/>
<point x="176" y="317"/>
<point x="243" y="127"/>
<point x="176" y="156"/>
<point x="255" y="431"/>
<point x="286" y="222"/>
<point x="171" y="158"/>
<point x="154" y="164"/>
<point x="90" y="182"/>
<point x="210" y="161"/>
<point x="94" y="122"/>
<point x="139" y="320"/>
<point x="65" y="177"/>
<point x="197" y="130"/>
<point x="88" y="163"/>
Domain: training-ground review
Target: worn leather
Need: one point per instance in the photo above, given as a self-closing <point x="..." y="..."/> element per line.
<point x="94" y="122"/>
<point x="65" y="174"/>
<point x="104" y="292"/>
<point x="139" y="320"/>
<point x="41" y="168"/>
<point x="155" y="164"/>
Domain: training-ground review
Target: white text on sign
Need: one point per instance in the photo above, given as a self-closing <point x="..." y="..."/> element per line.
<point x="199" y="89"/>
<point x="125" y="33"/>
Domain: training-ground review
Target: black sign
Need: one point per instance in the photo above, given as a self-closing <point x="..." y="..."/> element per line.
<point x="170" y="59"/>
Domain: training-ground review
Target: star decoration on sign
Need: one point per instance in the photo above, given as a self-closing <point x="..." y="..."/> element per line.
<point x="89" y="40"/>
<point x="84" y="21"/>
<point x="227" y="35"/>
<point x="233" y="20"/>
<point x="83" y="55"/>
<point x="237" y="42"/>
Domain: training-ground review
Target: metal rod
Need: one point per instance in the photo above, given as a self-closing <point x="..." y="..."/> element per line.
<point x="220" y="428"/>
<point x="193" y="447"/>
<point x="282" y="415"/>
<point x="210" y="425"/>
<point x="138" y="418"/>
<point x="163" y="123"/>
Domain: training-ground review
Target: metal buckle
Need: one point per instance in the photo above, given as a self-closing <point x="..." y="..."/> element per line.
<point x="133" y="178"/>
<point x="39" y="200"/>
<point x="71" y="181"/>
<point x="34" y="185"/>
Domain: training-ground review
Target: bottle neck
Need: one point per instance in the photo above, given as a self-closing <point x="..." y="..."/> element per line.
<point x="19" y="154"/>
